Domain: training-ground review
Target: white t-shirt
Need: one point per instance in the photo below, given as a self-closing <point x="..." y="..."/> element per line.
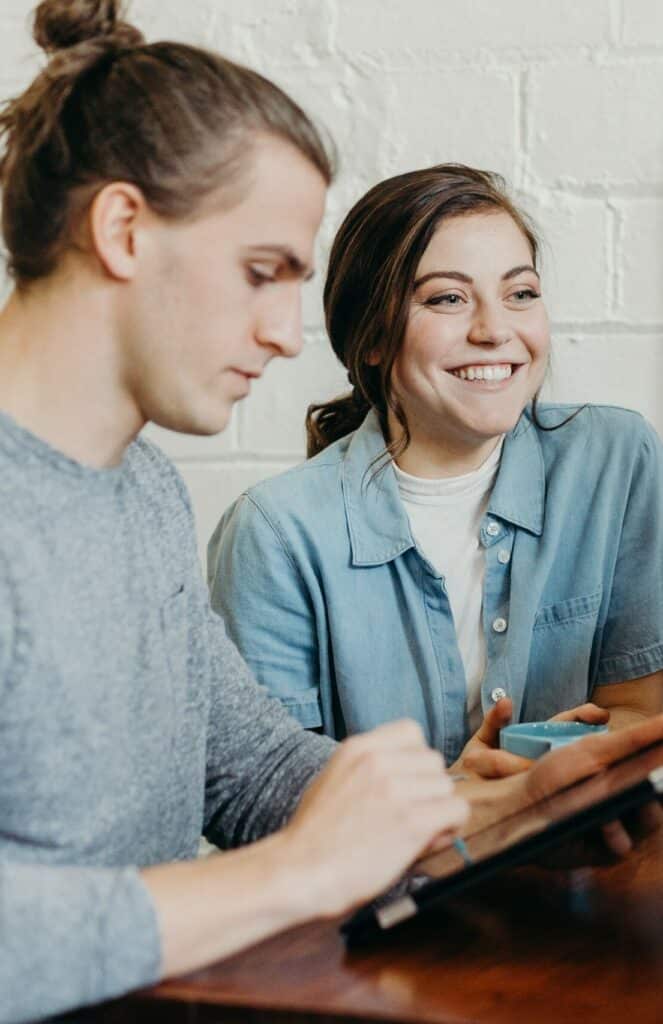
<point x="445" y="518"/>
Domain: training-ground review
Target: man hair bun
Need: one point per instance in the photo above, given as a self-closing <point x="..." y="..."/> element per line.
<point x="61" y="24"/>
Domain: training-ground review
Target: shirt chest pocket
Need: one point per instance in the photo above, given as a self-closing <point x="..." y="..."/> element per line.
<point x="563" y="637"/>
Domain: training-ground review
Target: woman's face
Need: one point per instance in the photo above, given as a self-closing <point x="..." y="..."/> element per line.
<point x="477" y="340"/>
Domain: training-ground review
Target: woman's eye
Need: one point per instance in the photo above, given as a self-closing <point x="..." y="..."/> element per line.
<point x="525" y="295"/>
<point x="448" y="299"/>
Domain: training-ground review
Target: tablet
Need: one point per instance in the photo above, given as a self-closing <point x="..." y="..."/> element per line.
<point x="513" y="841"/>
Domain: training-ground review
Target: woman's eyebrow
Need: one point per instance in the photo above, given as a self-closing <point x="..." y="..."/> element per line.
<point x="520" y="270"/>
<point x="455" y="275"/>
<point x="458" y="275"/>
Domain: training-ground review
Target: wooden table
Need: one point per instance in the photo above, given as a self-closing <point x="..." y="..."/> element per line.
<point x="537" y="947"/>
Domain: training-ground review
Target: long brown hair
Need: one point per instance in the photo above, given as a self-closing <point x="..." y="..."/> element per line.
<point x="175" y="120"/>
<point x="371" y="273"/>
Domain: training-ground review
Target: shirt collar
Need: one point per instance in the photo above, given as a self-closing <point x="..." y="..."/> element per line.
<point x="378" y="524"/>
<point x="377" y="521"/>
<point x="519" y="493"/>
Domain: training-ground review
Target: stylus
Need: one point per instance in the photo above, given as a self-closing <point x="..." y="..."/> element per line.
<point x="459" y="845"/>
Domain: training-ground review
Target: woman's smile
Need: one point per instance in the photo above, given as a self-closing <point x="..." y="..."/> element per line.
<point x="485" y="373"/>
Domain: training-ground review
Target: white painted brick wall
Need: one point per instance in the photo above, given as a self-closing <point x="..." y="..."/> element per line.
<point x="640" y="285"/>
<point x="642" y="22"/>
<point x="562" y="97"/>
<point x="594" y="121"/>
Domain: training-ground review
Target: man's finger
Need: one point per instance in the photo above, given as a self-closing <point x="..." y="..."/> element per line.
<point x="404" y="733"/>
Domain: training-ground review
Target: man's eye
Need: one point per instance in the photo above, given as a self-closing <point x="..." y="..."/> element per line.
<point x="525" y="295"/>
<point x="260" y="275"/>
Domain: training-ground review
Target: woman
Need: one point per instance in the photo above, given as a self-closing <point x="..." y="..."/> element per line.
<point x="454" y="546"/>
<point x="149" y="192"/>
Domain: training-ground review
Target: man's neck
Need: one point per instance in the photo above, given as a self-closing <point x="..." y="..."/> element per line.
<point x="59" y="371"/>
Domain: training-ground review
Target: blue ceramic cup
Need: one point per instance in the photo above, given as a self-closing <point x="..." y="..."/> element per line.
<point x="532" y="739"/>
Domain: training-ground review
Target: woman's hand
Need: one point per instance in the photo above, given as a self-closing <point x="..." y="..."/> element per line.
<point x="494" y="801"/>
<point x="481" y="755"/>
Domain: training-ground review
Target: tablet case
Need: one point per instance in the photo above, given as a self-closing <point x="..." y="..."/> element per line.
<point x="513" y="841"/>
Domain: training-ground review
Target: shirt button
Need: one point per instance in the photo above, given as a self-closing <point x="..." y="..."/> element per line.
<point x="499" y="625"/>
<point x="492" y="529"/>
<point x="503" y="556"/>
<point x="497" y="694"/>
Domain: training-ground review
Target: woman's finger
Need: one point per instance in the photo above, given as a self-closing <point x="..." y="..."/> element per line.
<point x="591" y="714"/>
<point x="494" y="764"/>
<point x="495" y="719"/>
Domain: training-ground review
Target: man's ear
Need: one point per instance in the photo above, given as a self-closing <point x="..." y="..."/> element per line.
<point x="114" y="218"/>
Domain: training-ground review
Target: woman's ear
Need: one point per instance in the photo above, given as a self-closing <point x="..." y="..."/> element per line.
<point x="374" y="357"/>
<point x="113" y="221"/>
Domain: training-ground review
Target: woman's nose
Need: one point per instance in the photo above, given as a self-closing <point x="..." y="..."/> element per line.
<point x="489" y="328"/>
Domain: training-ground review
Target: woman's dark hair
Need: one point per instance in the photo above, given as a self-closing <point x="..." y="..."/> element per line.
<point x="370" y="278"/>
<point x="174" y="120"/>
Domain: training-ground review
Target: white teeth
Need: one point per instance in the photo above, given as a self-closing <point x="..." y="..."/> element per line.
<point x="495" y="372"/>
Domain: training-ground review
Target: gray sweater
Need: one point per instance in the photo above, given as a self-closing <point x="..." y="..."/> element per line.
<point x="129" y="725"/>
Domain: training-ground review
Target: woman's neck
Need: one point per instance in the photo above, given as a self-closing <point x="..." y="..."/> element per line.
<point x="59" y="370"/>
<point x="435" y="458"/>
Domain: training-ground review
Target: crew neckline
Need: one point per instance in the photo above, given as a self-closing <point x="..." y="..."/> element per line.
<point x="418" y="488"/>
<point x="14" y="436"/>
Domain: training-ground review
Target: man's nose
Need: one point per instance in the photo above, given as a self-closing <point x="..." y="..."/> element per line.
<point x="280" y="325"/>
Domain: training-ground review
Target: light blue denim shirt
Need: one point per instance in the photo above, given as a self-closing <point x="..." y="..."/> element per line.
<point x="336" y="610"/>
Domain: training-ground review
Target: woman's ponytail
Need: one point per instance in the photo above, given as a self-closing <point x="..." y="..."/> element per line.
<point x="329" y="421"/>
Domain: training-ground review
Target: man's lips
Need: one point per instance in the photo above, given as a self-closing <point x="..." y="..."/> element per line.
<point x="249" y="374"/>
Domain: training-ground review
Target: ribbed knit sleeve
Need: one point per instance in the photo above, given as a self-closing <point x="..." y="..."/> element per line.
<point x="72" y="936"/>
<point x="69" y="936"/>
<point x="259" y="759"/>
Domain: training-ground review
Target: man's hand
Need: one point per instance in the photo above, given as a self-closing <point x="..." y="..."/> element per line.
<point x="382" y="799"/>
<point x="481" y="755"/>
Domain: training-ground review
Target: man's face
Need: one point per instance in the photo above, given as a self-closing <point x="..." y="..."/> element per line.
<point x="219" y="296"/>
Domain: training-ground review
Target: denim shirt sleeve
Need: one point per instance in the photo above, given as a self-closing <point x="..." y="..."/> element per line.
<point x="257" y="588"/>
<point x="632" y="639"/>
